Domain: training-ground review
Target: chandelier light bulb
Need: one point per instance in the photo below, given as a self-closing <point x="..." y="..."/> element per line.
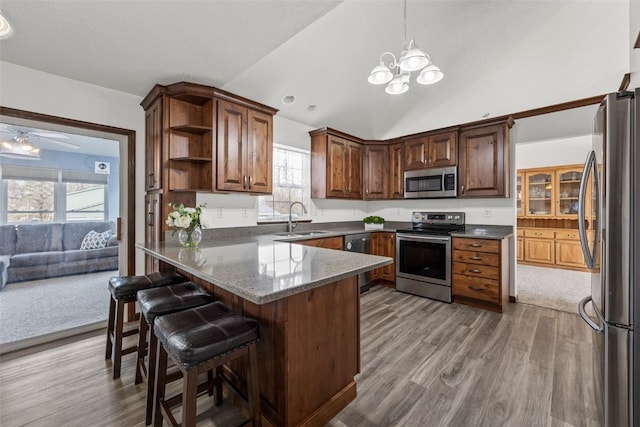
<point x="380" y="74"/>
<point x="414" y="59"/>
<point x="397" y="86"/>
<point x="429" y="75"/>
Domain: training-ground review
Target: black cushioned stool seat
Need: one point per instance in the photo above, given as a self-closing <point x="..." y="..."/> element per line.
<point x="123" y="290"/>
<point x="198" y="340"/>
<point x="156" y="302"/>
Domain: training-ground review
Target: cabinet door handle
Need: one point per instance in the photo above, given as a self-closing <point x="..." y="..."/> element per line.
<point x="474" y="270"/>
<point x="150" y="221"/>
<point x="150" y="180"/>
<point x="250" y="182"/>
<point x="244" y="182"/>
<point x="462" y="188"/>
<point x="475" y="288"/>
<point x="475" y="258"/>
<point x="475" y="245"/>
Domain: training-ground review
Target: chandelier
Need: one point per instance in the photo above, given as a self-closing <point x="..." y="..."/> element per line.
<point x="411" y="59"/>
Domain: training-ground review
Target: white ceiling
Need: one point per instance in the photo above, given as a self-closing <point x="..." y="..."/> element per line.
<point x="498" y="57"/>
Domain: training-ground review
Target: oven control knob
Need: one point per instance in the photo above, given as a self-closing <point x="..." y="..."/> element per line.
<point x="349" y="246"/>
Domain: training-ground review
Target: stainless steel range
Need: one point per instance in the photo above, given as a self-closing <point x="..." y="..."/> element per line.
<point x="423" y="254"/>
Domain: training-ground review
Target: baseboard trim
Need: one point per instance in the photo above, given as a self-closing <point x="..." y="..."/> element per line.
<point x="512" y="298"/>
<point x="53" y="336"/>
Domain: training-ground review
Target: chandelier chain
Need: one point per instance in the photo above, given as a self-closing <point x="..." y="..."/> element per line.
<point x="405" y="20"/>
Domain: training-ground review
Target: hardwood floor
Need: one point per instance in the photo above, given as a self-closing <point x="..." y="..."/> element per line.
<point x="424" y="363"/>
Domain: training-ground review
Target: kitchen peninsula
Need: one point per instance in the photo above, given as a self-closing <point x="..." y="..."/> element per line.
<point x="307" y="301"/>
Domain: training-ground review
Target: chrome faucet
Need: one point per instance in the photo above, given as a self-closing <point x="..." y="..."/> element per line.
<point x="290" y="224"/>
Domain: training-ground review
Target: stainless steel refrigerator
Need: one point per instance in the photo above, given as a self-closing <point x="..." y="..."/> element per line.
<point x="609" y="220"/>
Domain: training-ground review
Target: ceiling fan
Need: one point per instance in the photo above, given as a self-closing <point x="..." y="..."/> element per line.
<point x="18" y="144"/>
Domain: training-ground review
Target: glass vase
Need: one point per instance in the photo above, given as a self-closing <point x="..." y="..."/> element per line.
<point x="190" y="238"/>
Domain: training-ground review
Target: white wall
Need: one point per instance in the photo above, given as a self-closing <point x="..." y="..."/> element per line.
<point x="32" y="90"/>
<point x="555" y="152"/>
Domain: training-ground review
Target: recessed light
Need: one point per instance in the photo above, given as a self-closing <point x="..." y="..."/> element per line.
<point x="288" y="99"/>
<point x="311" y="107"/>
<point x="6" y="30"/>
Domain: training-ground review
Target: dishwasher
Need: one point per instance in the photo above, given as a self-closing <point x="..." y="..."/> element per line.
<point x="359" y="243"/>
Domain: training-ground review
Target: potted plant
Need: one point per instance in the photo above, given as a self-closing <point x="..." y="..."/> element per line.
<point x="373" y="222"/>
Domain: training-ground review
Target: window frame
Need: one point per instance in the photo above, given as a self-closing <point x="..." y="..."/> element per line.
<point x="305" y="187"/>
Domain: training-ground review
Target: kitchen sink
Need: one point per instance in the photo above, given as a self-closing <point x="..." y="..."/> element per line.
<point x="311" y="233"/>
<point x="302" y="233"/>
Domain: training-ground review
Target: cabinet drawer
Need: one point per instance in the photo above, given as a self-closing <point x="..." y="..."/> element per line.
<point x="540" y="233"/>
<point x="476" y="270"/>
<point x="472" y="257"/>
<point x="568" y="235"/>
<point x="479" y="245"/>
<point x="476" y="288"/>
<point x="519" y="232"/>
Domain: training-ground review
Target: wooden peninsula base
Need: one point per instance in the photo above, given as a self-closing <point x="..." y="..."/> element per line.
<point x="309" y="351"/>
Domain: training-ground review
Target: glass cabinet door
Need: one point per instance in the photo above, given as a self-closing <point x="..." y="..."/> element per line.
<point x="568" y="192"/>
<point x="519" y="208"/>
<point x="540" y="193"/>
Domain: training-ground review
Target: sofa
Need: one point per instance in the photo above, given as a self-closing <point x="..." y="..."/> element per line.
<point x="37" y="251"/>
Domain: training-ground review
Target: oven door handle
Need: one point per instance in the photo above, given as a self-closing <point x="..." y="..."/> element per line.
<point x="423" y="238"/>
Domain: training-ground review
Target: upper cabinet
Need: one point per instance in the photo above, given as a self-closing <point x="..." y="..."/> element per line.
<point x="483" y="160"/>
<point x="550" y="192"/>
<point x="376" y="162"/>
<point x="396" y="170"/>
<point x="202" y="139"/>
<point x="153" y="146"/>
<point x="245" y="144"/>
<point x="431" y="151"/>
<point x="336" y="165"/>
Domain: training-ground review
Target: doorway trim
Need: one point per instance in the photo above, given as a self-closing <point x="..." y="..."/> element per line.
<point x="130" y="135"/>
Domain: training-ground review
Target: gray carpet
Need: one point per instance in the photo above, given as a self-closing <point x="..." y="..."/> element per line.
<point x="42" y="307"/>
<point x="552" y="287"/>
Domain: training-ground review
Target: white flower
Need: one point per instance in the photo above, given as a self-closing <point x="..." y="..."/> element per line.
<point x="170" y="222"/>
<point x="190" y="210"/>
<point x="175" y="214"/>
<point x="182" y="222"/>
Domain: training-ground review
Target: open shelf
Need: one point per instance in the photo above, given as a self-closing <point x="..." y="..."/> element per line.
<point x="195" y="129"/>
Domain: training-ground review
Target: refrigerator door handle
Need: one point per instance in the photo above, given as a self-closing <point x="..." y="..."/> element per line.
<point x="589" y="166"/>
<point x="586" y="318"/>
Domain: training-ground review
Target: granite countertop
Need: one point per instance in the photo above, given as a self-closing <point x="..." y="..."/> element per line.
<point x="262" y="270"/>
<point x="485" y="232"/>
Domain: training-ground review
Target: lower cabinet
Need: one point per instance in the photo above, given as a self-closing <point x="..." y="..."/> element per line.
<point x="548" y="247"/>
<point x="335" y="242"/>
<point x="480" y="270"/>
<point x="383" y="243"/>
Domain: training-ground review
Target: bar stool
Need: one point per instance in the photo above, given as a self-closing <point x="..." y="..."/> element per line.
<point x="123" y="290"/>
<point x="156" y="302"/>
<point x="199" y="340"/>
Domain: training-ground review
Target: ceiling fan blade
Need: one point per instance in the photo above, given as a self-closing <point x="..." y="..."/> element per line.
<point x="61" y="143"/>
<point x="49" y="135"/>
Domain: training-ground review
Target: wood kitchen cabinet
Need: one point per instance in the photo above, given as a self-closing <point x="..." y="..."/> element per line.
<point x="431" y="150"/>
<point x="244" y="149"/>
<point x="483" y="160"/>
<point x="520" y="244"/>
<point x="396" y="170"/>
<point x="547" y="247"/>
<point x="383" y="243"/>
<point x="551" y="192"/>
<point x="153" y="146"/>
<point x="153" y="226"/>
<point x="539" y="246"/>
<point x="193" y="132"/>
<point x="480" y="270"/>
<point x="376" y="163"/>
<point x="334" y="242"/>
<point x="336" y="165"/>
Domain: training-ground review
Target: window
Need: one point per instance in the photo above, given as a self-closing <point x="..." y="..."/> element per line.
<point x="48" y="195"/>
<point x="291" y="175"/>
<point x="30" y="201"/>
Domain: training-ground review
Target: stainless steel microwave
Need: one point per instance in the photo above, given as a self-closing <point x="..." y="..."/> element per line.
<point x="431" y="183"/>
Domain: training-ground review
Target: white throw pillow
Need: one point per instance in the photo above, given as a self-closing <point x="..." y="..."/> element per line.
<point x="95" y="240"/>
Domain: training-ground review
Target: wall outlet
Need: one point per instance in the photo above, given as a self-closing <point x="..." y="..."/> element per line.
<point x="220" y="213"/>
<point x="487" y="212"/>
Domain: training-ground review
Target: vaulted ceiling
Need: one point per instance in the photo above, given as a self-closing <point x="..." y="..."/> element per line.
<point x="498" y="57"/>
